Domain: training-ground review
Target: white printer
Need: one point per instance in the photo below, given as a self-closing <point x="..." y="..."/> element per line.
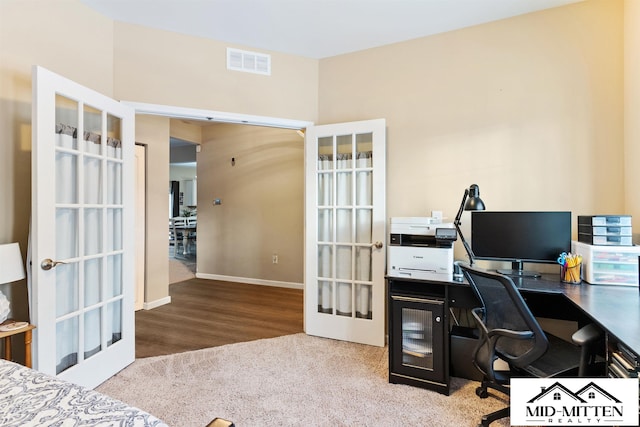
<point x="421" y="248"/>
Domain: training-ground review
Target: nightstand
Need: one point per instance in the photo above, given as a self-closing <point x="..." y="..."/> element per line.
<point x="26" y="330"/>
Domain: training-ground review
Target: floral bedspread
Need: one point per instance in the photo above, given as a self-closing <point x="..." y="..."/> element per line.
<point x="31" y="398"/>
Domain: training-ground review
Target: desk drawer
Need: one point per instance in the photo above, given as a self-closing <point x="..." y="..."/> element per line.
<point x="605" y="231"/>
<point x="608" y="240"/>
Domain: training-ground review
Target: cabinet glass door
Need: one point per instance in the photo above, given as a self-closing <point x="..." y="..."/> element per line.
<point x="418" y="333"/>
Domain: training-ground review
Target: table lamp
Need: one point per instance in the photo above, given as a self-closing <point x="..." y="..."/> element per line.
<point x="12" y="269"/>
<point x="473" y="203"/>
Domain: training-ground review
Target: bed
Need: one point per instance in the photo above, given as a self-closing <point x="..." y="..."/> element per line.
<point x="31" y="398"/>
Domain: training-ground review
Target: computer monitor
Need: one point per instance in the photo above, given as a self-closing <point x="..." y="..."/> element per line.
<point x="519" y="237"/>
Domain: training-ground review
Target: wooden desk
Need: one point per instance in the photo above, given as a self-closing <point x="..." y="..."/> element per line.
<point x="615" y="309"/>
<point x="26" y="330"/>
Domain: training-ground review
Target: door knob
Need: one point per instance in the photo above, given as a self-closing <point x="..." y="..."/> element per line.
<point x="377" y="245"/>
<point x="48" y="263"/>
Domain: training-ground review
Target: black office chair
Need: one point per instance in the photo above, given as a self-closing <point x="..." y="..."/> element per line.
<point x="510" y="332"/>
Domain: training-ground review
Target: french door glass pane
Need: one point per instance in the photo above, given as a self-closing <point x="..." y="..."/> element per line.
<point x="343" y="262"/>
<point x="364" y="190"/>
<point x="92" y="231"/>
<point x="343" y="189"/>
<point x="92" y="180"/>
<point x="66" y="233"/>
<point x="92" y="281"/>
<point x="325" y="297"/>
<point x="66" y="178"/>
<point x="363" y="301"/>
<point x="114" y="182"/>
<point x="325" y="153"/>
<point x="363" y="225"/>
<point x="92" y="129"/>
<point x="92" y="332"/>
<point x="344" y="305"/>
<point x="113" y="287"/>
<point x="325" y="189"/>
<point x="325" y="261"/>
<point x="364" y="145"/>
<point x="67" y="119"/>
<point x="343" y="226"/>
<point x="363" y="263"/>
<point x="114" y="137"/>
<point x="67" y="345"/>
<point x="114" y="322"/>
<point x="344" y="149"/>
<point x="325" y="225"/>
<point x="114" y="227"/>
<point x="66" y="288"/>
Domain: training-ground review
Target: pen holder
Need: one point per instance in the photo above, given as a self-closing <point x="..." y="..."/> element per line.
<point x="571" y="273"/>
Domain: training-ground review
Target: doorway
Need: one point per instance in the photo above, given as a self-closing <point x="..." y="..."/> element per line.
<point x="183" y="205"/>
<point x="153" y="129"/>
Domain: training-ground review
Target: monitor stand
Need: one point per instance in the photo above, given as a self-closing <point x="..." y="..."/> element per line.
<point x="518" y="271"/>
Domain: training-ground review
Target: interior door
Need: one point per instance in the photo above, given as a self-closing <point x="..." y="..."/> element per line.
<point x="345" y="231"/>
<point x="83" y="227"/>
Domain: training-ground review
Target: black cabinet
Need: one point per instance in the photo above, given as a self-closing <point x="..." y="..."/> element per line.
<point x="418" y="335"/>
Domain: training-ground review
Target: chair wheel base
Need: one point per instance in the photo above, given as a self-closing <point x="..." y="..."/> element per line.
<point x="482" y="392"/>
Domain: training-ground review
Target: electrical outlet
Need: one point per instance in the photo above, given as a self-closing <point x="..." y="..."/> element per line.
<point x="274" y="258"/>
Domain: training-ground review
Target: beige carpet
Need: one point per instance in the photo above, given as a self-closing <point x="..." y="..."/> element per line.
<point x="294" y="380"/>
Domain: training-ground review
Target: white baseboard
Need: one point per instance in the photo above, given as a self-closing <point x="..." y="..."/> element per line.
<point x="250" y="281"/>
<point x="156" y="303"/>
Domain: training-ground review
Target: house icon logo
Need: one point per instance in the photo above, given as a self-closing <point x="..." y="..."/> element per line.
<point x="574" y="401"/>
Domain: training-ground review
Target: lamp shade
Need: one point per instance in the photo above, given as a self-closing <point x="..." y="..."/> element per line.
<point x="11" y="266"/>
<point x="474" y="202"/>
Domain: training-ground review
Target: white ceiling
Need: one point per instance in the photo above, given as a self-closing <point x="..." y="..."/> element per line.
<point x="314" y="28"/>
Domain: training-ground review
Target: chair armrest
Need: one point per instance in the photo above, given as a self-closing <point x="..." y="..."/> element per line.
<point x="518" y="335"/>
<point x="586" y="335"/>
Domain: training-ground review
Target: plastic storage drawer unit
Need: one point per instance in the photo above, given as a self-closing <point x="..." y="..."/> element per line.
<point x="608" y="265"/>
<point x="605" y="230"/>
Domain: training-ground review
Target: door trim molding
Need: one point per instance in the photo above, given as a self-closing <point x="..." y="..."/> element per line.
<point x="157" y="303"/>
<point x="215" y="116"/>
<point x="250" y="281"/>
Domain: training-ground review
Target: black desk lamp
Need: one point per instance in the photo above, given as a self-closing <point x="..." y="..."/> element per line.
<point x="474" y="203"/>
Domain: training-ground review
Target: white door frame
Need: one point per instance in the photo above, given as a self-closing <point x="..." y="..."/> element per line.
<point x="212" y="116"/>
<point x="216" y="116"/>
<point x="141" y="227"/>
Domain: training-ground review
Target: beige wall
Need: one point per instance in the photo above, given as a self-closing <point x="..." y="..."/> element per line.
<point x="45" y="33"/>
<point x="262" y="210"/>
<point x="528" y="108"/>
<point x="632" y="111"/>
<point x="153" y="132"/>
<point x="161" y="67"/>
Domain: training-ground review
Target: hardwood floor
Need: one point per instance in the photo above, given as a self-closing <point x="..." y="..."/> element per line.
<point x="208" y="313"/>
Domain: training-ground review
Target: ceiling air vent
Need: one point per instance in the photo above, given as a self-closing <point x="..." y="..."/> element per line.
<point x="249" y="62"/>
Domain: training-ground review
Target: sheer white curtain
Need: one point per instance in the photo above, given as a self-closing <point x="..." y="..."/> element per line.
<point x="353" y="213"/>
<point x="325" y="232"/>
<point x="364" y="199"/>
<point x="81" y="202"/>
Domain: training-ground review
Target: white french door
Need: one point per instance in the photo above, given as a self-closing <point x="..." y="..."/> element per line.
<point x="82" y="231"/>
<point x="345" y="223"/>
